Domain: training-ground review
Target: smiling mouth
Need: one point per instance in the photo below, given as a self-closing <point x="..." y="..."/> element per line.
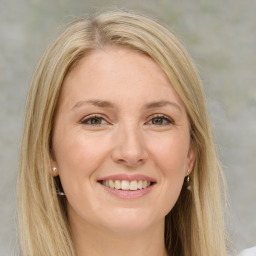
<point x="126" y="185"/>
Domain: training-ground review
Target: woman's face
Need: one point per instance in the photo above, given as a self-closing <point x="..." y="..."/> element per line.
<point x="121" y="142"/>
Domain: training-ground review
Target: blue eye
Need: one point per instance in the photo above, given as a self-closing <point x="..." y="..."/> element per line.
<point x="94" y="120"/>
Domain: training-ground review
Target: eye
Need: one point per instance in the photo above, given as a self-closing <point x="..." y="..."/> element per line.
<point x="94" y="120"/>
<point x="160" y="120"/>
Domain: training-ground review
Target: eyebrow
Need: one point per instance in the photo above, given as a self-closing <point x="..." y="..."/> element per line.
<point x="107" y="104"/>
<point x="162" y="103"/>
<point x="98" y="103"/>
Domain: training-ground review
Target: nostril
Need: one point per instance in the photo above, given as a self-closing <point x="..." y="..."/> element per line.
<point x="130" y="161"/>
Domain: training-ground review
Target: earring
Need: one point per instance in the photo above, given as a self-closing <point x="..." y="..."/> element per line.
<point x="59" y="193"/>
<point x="59" y="189"/>
<point x="187" y="180"/>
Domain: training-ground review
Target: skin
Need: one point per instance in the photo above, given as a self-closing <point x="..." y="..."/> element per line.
<point x="127" y="135"/>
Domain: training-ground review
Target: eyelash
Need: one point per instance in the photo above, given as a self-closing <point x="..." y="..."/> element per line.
<point x="90" y="118"/>
<point x="163" y="118"/>
<point x="101" y="118"/>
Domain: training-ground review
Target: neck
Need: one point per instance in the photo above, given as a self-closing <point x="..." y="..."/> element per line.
<point x="97" y="241"/>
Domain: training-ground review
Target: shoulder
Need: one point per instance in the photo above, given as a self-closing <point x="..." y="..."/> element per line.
<point x="248" y="252"/>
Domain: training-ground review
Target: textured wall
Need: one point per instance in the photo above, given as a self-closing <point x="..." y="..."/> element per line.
<point x="221" y="37"/>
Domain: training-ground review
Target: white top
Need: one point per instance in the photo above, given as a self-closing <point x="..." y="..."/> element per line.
<point x="248" y="252"/>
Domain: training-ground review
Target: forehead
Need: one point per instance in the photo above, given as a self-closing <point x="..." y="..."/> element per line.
<point x="118" y="72"/>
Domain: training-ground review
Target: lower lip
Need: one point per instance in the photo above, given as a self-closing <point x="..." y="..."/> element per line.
<point x="128" y="194"/>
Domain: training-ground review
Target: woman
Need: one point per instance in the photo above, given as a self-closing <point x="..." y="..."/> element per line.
<point x="117" y="156"/>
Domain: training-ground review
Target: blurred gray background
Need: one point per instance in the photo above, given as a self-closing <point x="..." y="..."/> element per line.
<point x="221" y="37"/>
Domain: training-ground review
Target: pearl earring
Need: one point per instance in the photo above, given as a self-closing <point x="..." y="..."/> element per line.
<point x="54" y="169"/>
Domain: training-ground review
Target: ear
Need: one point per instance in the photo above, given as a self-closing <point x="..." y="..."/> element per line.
<point x="191" y="157"/>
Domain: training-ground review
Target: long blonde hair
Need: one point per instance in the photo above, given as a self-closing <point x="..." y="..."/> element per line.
<point x="194" y="227"/>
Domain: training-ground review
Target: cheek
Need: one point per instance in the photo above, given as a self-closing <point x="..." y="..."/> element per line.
<point x="78" y="151"/>
<point x="170" y="158"/>
<point x="77" y="157"/>
<point x="170" y="153"/>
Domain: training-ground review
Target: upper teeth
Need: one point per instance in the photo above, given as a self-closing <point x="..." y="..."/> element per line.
<point x="126" y="185"/>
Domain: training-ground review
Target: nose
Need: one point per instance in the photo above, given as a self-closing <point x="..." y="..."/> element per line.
<point x="129" y="148"/>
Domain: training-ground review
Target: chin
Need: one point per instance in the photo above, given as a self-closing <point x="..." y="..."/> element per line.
<point x="130" y="221"/>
